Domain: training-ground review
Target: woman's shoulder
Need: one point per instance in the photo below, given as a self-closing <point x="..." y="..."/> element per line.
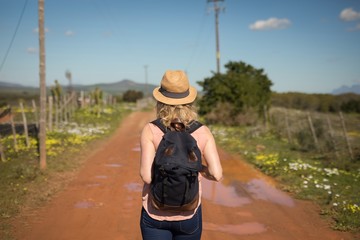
<point x="153" y="128"/>
<point x="203" y="129"/>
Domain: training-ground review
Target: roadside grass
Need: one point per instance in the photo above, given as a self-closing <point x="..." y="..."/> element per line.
<point x="24" y="185"/>
<point x="333" y="184"/>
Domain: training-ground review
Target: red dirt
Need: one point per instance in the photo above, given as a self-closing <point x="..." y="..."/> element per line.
<point x="103" y="201"/>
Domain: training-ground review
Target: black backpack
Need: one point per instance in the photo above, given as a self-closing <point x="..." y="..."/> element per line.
<point x="175" y="185"/>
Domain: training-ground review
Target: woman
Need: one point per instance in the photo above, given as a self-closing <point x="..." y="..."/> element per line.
<point x="174" y="101"/>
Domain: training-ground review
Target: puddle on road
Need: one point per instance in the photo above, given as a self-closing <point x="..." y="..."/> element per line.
<point x="240" y="193"/>
<point x="114" y="165"/>
<point x="101" y="177"/>
<point x="136" y="148"/>
<point x="238" y="229"/>
<point x="93" y="184"/>
<point x="135" y="187"/>
<point x="84" y="204"/>
<point x="222" y="195"/>
<point x="259" y="189"/>
<point x="88" y="204"/>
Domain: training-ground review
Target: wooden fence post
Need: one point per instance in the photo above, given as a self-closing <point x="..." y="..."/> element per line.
<point x="82" y="99"/>
<point x="346" y="136"/>
<point x="313" y="131"/>
<point x="25" y="125"/>
<point x="265" y="116"/>
<point x="288" y="128"/>
<point x="332" y="137"/>
<point x="50" y="120"/>
<point x="2" y="152"/>
<point x="71" y="106"/>
<point x="13" y="132"/>
<point x="56" y="112"/>
<point x="35" y="114"/>
<point x="65" y="108"/>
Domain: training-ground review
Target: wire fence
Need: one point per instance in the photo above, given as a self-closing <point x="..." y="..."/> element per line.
<point x="337" y="135"/>
<point x="24" y="118"/>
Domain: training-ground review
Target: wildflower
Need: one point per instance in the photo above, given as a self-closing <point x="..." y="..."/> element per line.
<point x="330" y="172"/>
<point x="353" y="208"/>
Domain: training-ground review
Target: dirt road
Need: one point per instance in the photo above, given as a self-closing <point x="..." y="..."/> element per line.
<point x="104" y="201"/>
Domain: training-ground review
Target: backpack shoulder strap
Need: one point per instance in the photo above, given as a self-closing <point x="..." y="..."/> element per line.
<point x="190" y="129"/>
<point x="195" y="125"/>
<point x="157" y="122"/>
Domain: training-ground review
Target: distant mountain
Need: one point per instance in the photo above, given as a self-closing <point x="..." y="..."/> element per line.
<point x="346" y="89"/>
<point x="113" y="88"/>
<point x="10" y="88"/>
<point x="9" y="85"/>
<point x="117" y="87"/>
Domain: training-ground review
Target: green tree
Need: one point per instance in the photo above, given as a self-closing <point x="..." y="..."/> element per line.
<point x="97" y="95"/>
<point x="56" y="92"/>
<point x="132" y="96"/>
<point x="243" y="87"/>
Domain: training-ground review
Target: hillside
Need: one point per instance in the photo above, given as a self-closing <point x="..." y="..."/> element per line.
<point x="116" y="88"/>
<point x="346" y="89"/>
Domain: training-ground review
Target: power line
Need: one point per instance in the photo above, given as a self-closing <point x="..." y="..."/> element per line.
<point x="196" y="44"/>
<point x="14" y="35"/>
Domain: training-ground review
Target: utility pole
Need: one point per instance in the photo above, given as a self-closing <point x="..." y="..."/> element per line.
<point x="217" y="9"/>
<point x="42" y="123"/>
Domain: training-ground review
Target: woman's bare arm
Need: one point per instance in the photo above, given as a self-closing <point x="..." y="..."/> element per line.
<point x="147" y="154"/>
<point x="213" y="170"/>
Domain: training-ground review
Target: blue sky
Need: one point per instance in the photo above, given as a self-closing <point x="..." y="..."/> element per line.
<point x="310" y="46"/>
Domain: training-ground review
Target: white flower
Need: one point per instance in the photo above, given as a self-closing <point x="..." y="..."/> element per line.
<point x="330" y="171"/>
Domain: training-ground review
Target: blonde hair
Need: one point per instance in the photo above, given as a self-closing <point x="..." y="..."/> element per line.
<point x="185" y="113"/>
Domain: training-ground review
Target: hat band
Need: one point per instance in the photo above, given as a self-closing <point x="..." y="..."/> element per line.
<point x="174" y="95"/>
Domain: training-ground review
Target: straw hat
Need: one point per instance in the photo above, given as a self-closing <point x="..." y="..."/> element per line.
<point x="175" y="89"/>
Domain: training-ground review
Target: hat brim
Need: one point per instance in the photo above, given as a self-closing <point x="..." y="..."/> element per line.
<point x="175" y="101"/>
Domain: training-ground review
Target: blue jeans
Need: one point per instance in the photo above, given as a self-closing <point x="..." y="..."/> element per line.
<point x="152" y="229"/>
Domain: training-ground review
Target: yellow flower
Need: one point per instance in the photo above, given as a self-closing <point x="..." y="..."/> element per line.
<point x="353" y="208"/>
